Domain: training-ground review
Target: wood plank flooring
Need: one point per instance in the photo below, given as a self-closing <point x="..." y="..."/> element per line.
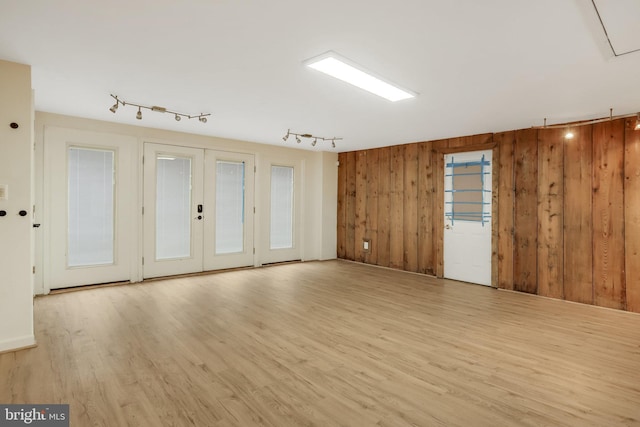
<point x="329" y="344"/>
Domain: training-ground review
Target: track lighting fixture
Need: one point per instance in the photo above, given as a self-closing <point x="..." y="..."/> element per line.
<point x="178" y="116"/>
<point x="568" y="134"/>
<point x="309" y="136"/>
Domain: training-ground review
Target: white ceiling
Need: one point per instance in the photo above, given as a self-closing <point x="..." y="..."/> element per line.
<point x="478" y="66"/>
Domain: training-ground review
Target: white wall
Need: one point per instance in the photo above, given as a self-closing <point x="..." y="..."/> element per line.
<point x="16" y="149"/>
<point x="318" y="192"/>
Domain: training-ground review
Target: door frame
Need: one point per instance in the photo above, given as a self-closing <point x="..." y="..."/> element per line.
<point x="438" y="159"/>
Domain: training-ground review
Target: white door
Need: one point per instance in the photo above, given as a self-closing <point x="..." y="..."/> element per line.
<point x="229" y="212"/>
<point x="173" y="210"/>
<point x="284" y="213"/>
<point x="90" y="205"/>
<point x="467" y="207"/>
<point x="198" y="210"/>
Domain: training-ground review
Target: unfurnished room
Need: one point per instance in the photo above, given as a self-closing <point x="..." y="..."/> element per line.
<point x="289" y="213"/>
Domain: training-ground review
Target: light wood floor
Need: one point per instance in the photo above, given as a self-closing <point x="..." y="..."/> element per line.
<point x="327" y="344"/>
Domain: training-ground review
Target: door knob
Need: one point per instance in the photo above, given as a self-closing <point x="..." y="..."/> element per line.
<point x="448" y="227"/>
<point x="199" y="217"/>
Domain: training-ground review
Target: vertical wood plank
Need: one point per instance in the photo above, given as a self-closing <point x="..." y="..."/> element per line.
<point x="550" y="212"/>
<point x="608" y="214"/>
<point x="361" y="204"/>
<point x="371" y="257"/>
<point x="425" y="209"/>
<point x="342" y="208"/>
<point x="351" y="206"/>
<point x="437" y="159"/>
<point x="632" y="215"/>
<point x="384" y="209"/>
<point x="506" y="205"/>
<point x="410" y="204"/>
<point x="495" y="212"/>
<point x="526" y="211"/>
<point x="578" y="230"/>
<point x="396" y="199"/>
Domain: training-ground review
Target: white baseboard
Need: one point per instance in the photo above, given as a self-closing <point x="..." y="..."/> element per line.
<point x="17" y="343"/>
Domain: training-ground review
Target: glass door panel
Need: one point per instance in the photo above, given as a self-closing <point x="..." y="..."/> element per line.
<point x="173" y="207"/>
<point x="281" y="228"/>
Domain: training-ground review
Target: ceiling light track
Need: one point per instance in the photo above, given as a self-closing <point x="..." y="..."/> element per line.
<point x="569" y="134"/>
<point x="178" y="116"/>
<point x="309" y="136"/>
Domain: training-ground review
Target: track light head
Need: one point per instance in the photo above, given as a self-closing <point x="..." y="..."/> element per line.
<point x="178" y="118"/>
<point x="114" y="108"/>
<point x="315" y="141"/>
<point x="333" y="143"/>
<point x="298" y="140"/>
<point x="203" y="119"/>
<point x="139" y="114"/>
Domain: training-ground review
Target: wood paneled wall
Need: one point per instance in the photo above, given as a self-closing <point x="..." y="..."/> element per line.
<point x="566" y="213"/>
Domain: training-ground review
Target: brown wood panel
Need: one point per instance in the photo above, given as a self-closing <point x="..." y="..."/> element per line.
<point x="437" y="159"/>
<point x="578" y="230"/>
<point x="410" y="207"/>
<point x="396" y="201"/>
<point x="351" y="206"/>
<point x="342" y="208"/>
<point x="608" y="214"/>
<point x="371" y="257"/>
<point x="526" y="211"/>
<point x="506" y="142"/>
<point x="632" y="215"/>
<point x="384" y="208"/>
<point x="425" y="209"/>
<point x="550" y="212"/>
<point x="361" y="204"/>
<point x="495" y="197"/>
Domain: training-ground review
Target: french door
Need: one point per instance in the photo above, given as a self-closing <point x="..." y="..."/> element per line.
<point x="90" y="206"/>
<point x="198" y="210"/>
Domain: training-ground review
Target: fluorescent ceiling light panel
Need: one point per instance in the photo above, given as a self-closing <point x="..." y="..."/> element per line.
<point x="341" y="68"/>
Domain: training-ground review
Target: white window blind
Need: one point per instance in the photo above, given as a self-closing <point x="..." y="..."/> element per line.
<point x="229" y="207"/>
<point x="281" y="236"/>
<point x="90" y="218"/>
<point x="173" y="207"/>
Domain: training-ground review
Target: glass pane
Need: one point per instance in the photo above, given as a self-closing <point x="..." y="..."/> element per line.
<point x="229" y="207"/>
<point x="90" y="220"/>
<point x="281" y="235"/>
<point x="173" y="207"/>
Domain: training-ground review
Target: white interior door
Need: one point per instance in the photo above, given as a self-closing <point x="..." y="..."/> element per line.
<point x="467" y="201"/>
<point x="90" y="205"/>
<point x="173" y="213"/>
<point x="229" y="210"/>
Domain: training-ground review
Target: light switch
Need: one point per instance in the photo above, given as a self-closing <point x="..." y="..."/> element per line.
<point x="366" y="245"/>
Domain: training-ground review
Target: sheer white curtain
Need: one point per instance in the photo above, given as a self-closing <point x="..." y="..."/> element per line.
<point x="90" y="227"/>
<point x="281" y="236"/>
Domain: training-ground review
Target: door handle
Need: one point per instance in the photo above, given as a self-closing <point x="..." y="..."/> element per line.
<point x="199" y="217"/>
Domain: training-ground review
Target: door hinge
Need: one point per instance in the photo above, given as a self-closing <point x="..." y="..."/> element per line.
<point x="143" y="210"/>
<point x="254" y="169"/>
<point x="143" y="160"/>
<point x="254" y="251"/>
<point x="254" y="209"/>
<point x="142" y="260"/>
<point x="34" y="269"/>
